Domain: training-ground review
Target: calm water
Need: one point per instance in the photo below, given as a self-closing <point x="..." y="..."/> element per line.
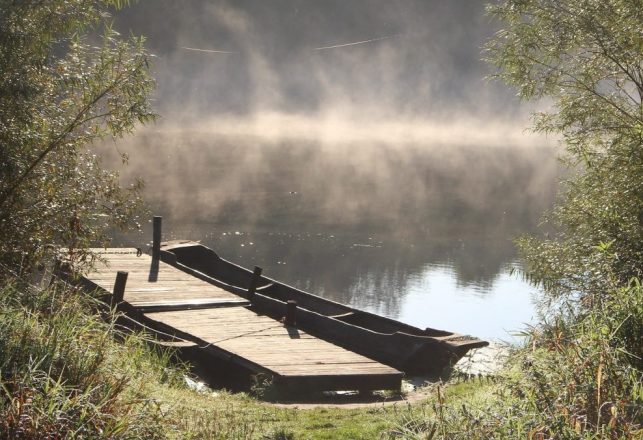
<point x="419" y="233"/>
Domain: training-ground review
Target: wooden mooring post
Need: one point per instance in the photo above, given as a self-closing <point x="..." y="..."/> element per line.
<point x="118" y="292"/>
<point x="291" y="313"/>
<point x="254" y="282"/>
<point x="156" y="237"/>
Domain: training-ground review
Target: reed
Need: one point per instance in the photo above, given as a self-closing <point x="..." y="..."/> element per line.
<point x="63" y="375"/>
<point x="579" y="375"/>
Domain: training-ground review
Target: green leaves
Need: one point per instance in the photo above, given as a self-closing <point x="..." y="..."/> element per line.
<point x="586" y="57"/>
<point x="58" y="95"/>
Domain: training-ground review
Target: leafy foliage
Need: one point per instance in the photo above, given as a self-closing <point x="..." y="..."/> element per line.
<point x="66" y="80"/>
<point x="586" y="57"/>
<point x="580" y="375"/>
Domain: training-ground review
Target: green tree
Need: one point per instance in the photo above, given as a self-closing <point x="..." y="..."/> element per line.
<point x="584" y="359"/>
<point x="67" y="80"/>
<point x="586" y="58"/>
<point x="579" y="374"/>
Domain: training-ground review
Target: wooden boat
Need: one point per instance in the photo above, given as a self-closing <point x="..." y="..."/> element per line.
<point x="407" y="348"/>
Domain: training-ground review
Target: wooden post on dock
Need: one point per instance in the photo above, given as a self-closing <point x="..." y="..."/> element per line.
<point x="119" y="287"/>
<point x="156" y="237"/>
<point x="254" y="282"/>
<point x="291" y="313"/>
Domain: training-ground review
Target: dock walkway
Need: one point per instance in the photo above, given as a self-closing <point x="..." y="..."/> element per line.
<point x="224" y="325"/>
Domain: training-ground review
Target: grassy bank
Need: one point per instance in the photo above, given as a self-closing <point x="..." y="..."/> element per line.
<point x="241" y="416"/>
<point x="65" y="375"/>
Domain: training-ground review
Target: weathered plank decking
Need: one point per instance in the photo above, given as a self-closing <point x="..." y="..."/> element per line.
<point x="224" y="324"/>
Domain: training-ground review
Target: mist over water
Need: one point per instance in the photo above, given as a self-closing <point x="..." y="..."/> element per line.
<point x="419" y="233"/>
<point x="352" y="149"/>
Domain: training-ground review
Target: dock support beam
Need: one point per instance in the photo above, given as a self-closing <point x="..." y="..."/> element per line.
<point x="156" y="237"/>
<point x="291" y="313"/>
<point x="119" y="287"/>
<point x="254" y="282"/>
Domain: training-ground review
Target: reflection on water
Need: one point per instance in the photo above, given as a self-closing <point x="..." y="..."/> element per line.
<point x="419" y="234"/>
<point x="495" y="310"/>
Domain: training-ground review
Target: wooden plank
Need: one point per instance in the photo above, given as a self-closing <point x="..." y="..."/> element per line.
<point x="344" y="382"/>
<point x="206" y="303"/>
<point x="162" y="278"/>
<point x="168" y="284"/>
<point x="284" y="350"/>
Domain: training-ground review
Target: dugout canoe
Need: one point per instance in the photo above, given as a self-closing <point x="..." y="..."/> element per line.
<point x="407" y="348"/>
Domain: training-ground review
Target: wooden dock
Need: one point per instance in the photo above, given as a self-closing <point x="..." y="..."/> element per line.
<point x="224" y="325"/>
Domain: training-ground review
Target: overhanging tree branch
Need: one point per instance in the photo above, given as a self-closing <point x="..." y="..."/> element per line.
<point x="56" y="142"/>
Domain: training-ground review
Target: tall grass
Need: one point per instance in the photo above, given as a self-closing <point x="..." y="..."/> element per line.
<point x="62" y="374"/>
<point x="579" y="376"/>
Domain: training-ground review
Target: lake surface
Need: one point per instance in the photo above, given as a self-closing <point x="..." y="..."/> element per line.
<point x="415" y="231"/>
